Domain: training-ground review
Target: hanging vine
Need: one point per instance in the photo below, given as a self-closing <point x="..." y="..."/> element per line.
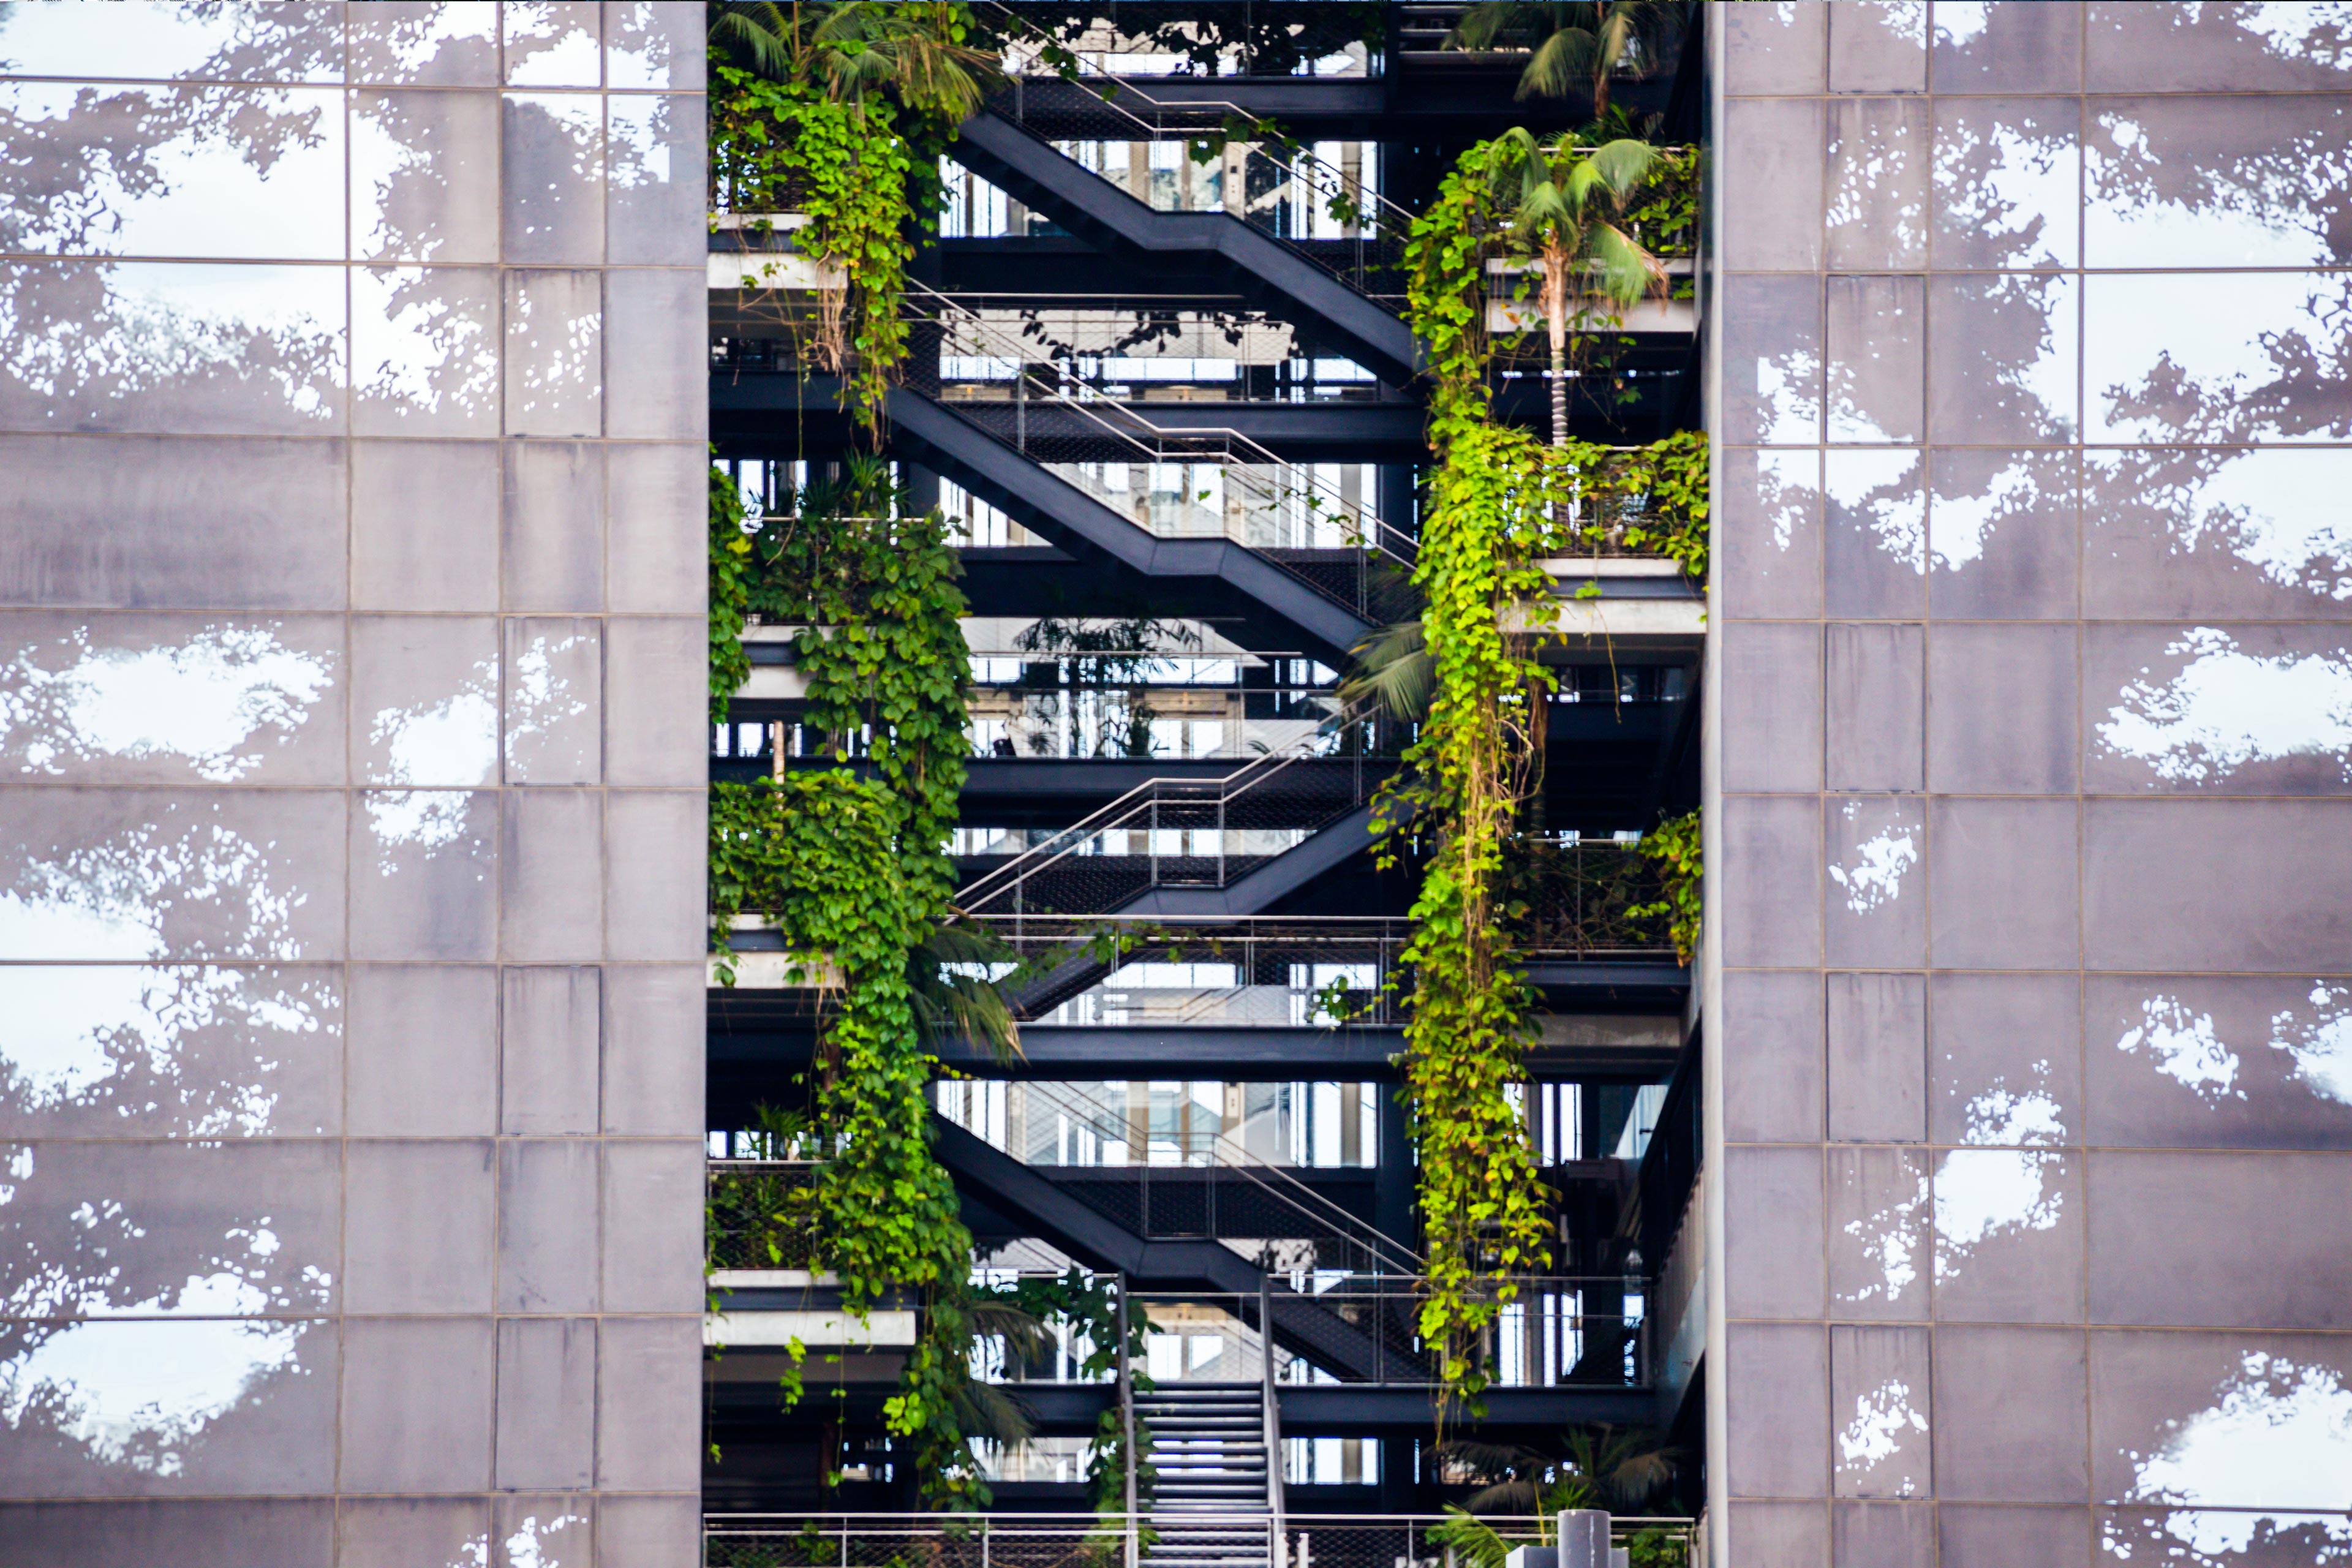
<point x="834" y="120"/>
<point x="854" y="873"/>
<point x="1498" y="502"/>
<point x="1483" y="1209"/>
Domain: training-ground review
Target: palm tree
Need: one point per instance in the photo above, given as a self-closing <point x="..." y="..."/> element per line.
<point x="854" y="48"/>
<point x="1567" y="209"/>
<point x="1577" y="44"/>
<point x="1603" y="1466"/>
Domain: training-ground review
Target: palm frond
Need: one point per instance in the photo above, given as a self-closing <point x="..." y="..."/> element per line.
<point x="1394" y="670"/>
<point x="949" y="1005"/>
<point x="984" y="1411"/>
<point x="761" y="31"/>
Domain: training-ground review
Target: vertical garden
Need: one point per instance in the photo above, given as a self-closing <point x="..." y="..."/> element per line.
<point x="830" y="122"/>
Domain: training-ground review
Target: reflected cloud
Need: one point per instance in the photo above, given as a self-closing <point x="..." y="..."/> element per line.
<point x="1883" y="1422"/>
<point x="2004" y="1115"/>
<point x="1962" y="525"/>
<point x="1871" y="873"/>
<point x="455" y="43"/>
<point x="1788" y="398"/>
<point x="543" y="706"/>
<point x="138" y="1394"/>
<point x="2313" y="1042"/>
<point x="203" y="347"/>
<point x="551" y="45"/>
<point x="1787" y="485"/>
<point x="424" y="349"/>
<point x="222" y="700"/>
<point x="187" y="1051"/>
<point x="538" y="1543"/>
<point x="2225" y="709"/>
<point x="1881" y="491"/>
<point x="2183" y="1047"/>
<point x="2276" y="1441"/>
<point x="450" y="740"/>
<point x="2280" y="512"/>
<point x="2160" y="193"/>
<point x="129" y="170"/>
<point x="2007" y="182"/>
<point x="1890" y="1238"/>
<point x="162" y="39"/>
<point x="2189" y="358"/>
<point x="188" y="884"/>
<point x="1982" y="1195"/>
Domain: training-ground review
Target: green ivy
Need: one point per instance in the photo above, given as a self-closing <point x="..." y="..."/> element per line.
<point x="1652" y="499"/>
<point x="853" y="871"/>
<point x="1675" y="845"/>
<point x="1481" y="1202"/>
<point x="1495" y="501"/>
<point x="730" y="594"/>
<point x="818" y="853"/>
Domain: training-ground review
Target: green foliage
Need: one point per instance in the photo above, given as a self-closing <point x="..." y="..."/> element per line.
<point x="730" y="597"/>
<point x="1497" y="502"/>
<point x="1089" y="1304"/>
<point x="853" y="874"/>
<point x="1573" y="43"/>
<point x="882" y="645"/>
<point x="839" y="112"/>
<point x="1675" y="845"/>
<point x="1651" y="499"/>
<point x="1482" y="1204"/>
<point x="819" y="854"/>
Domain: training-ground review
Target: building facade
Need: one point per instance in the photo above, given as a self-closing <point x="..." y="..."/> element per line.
<point x="2026" y="935"/>
<point x="354" y="643"/>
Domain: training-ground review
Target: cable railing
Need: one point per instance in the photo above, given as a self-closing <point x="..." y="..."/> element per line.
<point x="756" y="1215"/>
<point x="1364" y="1329"/>
<point x="1017" y="1540"/>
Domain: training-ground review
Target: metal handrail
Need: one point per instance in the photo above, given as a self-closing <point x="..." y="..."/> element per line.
<point x="1127" y="87"/>
<point x="1277" y="1183"/>
<point x="1070" y="840"/>
<point x="1145" y="435"/>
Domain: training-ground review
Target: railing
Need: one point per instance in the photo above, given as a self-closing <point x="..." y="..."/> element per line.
<point x="755" y="1215"/>
<point x="1098" y="1540"/>
<point x="1265" y="486"/>
<point x="1217" y="1187"/>
<point x="1171" y="722"/>
<point x="1582" y="902"/>
<point x="1370" y="259"/>
<point x="1116" y="852"/>
<point x="1363" y="1328"/>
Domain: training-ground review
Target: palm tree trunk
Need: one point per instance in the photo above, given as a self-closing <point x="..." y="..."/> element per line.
<point x="1556" y="318"/>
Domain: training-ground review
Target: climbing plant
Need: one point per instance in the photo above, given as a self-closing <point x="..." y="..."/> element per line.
<point x="837" y="114"/>
<point x="1673" y="844"/>
<point x="1497" y="502"/>
<point x="730" y="594"/>
<point x="1482" y="1205"/>
<point x="853" y="871"/>
<point x="1650" y="499"/>
<point x="1088" y="1304"/>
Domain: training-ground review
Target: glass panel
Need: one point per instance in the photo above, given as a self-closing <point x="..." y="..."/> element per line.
<point x="149" y="39"/>
<point x="2184" y="358"/>
<point x="191" y="348"/>
<point x="551" y="43"/>
<point x="164" y="172"/>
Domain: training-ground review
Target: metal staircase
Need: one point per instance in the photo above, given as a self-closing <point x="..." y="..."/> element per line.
<point x="1217" y="1452"/>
